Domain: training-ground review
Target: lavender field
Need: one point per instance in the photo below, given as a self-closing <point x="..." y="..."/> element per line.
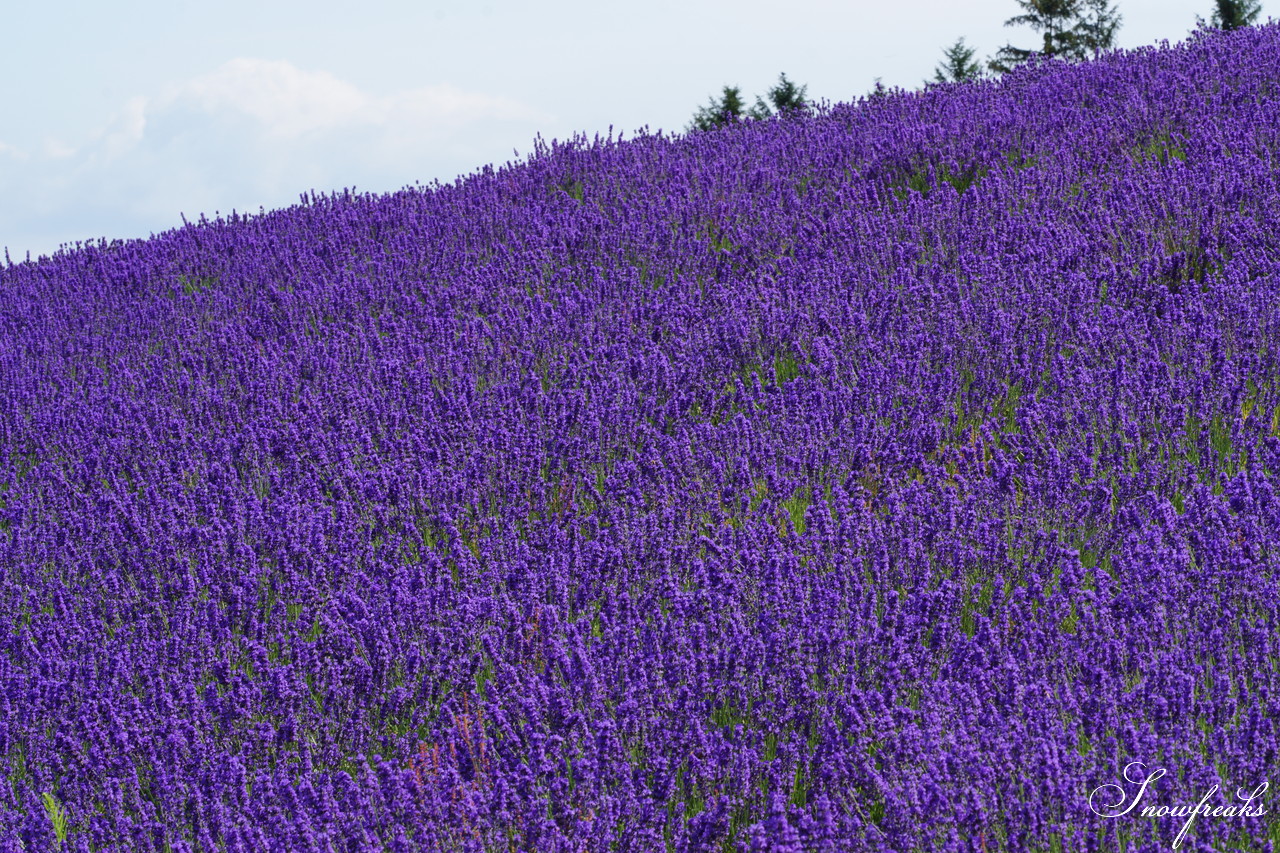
<point x="897" y="478"/>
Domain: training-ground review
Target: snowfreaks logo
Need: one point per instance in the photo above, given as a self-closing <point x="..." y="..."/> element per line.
<point x="1113" y="801"/>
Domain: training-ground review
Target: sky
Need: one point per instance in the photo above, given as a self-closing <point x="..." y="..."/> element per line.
<point x="120" y="119"/>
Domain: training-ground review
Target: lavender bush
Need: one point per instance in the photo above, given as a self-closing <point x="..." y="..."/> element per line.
<point x="889" y="479"/>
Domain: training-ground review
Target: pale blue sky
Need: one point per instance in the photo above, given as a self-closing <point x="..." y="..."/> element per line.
<point x="119" y="117"/>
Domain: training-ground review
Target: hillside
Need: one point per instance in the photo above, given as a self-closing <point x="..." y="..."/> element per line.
<point x="887" y="479"/>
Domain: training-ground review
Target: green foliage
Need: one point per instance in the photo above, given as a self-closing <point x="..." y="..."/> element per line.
<point x="1233" y="14"/>
<point x="958" y="64"/>
<point x="785" y="368"/>
<point x="919" y="180"/>
<point x="1070" y="29"/>
<point x="196" y="283"/>
<point x="784" y="98"/>
<point x="57" y="816"/>
<point x="715" y="114"/>
<point x="573" y="188"/>
<point x="796" y="506"/>
<point x="1161" y="148"/>
<point x="1096" y="28"/>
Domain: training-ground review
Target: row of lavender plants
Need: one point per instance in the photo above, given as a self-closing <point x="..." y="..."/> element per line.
<point x="890" y="479"/>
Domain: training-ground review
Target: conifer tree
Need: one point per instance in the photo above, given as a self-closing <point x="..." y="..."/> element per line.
<point x="1234" y="14"/>
<point x="1071" y="29"/>
<point x="958" y="64"/>
<point x="719" y="113"/>
<point x="784" y="98"/>
<point x="1096" y="28"/>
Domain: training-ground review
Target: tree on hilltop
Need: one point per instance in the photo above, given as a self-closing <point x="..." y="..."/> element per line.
<point x="1071" y="29"/>
<point x="784" y="98"/>
<point x="1098" y="24"/>
<point x="719" y="113"/>
<point x="1233" y="14"/>
<point x="958" y="64"/>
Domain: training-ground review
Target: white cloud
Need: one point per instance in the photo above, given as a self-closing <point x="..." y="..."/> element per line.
<point x="286" y="101"/>
<point x="250" y="133"/>
<point x="56" y="149"/>
<point x="126" y="129"/>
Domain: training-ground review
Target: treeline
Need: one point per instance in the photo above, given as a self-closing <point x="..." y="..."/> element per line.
<point x="1068" y="29"/>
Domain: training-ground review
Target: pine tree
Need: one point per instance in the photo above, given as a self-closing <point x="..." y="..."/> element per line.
<point x="786" y="98"/>
<point x="719" y="113"/>
<point x="958" y="64"/>
<point x="1071" y="29"/>
<point x="1234" y="14"/>
<point x="1096" y="29"/>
